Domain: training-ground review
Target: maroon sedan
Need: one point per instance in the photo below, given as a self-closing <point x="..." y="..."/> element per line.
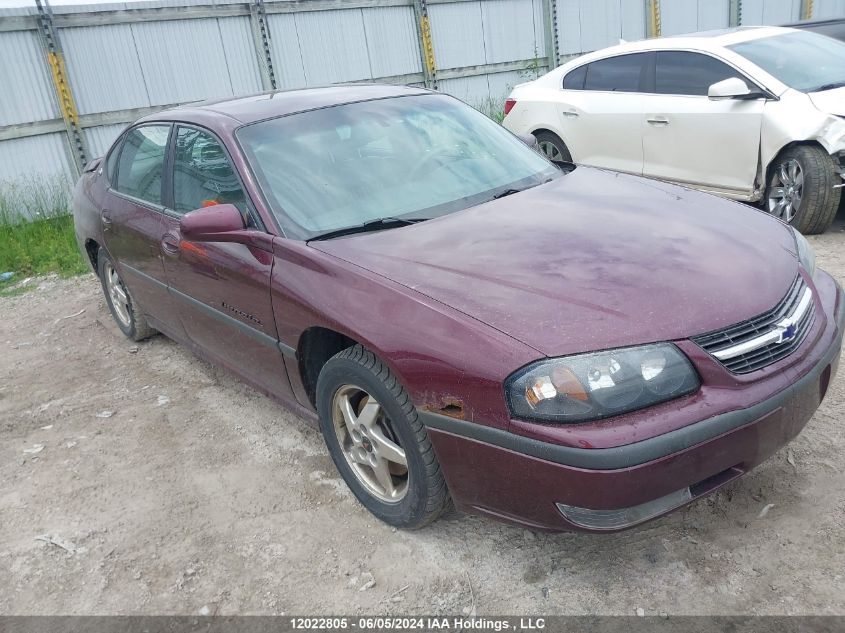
<point x="564" y="348"/>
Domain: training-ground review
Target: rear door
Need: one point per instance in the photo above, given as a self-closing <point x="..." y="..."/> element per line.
<point x="601" y="112"/>
<point x="222" y="289"/>
<point x="691" y="138"/>
<point x="132" y="221"/>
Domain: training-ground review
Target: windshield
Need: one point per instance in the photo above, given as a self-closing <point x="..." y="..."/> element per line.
<point x="804" y="61"/>
<point x="413" y="157"/>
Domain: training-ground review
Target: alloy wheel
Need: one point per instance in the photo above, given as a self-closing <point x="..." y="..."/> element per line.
<point x="118" y="295"/>
<point x="786" y="190"/>
<point x="369" y="444"/>
<point x="551" y="151"/>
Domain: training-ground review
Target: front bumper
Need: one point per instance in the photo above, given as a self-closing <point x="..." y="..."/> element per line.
<point x="553" y="487"/>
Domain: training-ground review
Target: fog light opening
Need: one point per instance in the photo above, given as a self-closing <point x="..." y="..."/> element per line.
<point x="624" y="517"/>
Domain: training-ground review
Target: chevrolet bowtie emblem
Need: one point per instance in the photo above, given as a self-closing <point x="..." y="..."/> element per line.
<point x="787" y="332"/>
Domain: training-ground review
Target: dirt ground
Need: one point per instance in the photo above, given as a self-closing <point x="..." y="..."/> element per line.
<point x="167" y="486"/>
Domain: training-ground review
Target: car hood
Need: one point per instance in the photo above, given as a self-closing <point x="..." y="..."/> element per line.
<point x="830" y="101"/>
<point x="592" y="260"/>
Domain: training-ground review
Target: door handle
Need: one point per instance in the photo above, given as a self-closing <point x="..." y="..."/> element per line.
<point x="658" y="120"/>
<point x="572" y="113"/>
<point x="106" y="219"/>
<point x="170" y="245"/>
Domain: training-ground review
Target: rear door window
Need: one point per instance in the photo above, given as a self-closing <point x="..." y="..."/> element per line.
<point x="685" y="73"/>
<point x="616" y="74"/>
<point x="141" y="163"/>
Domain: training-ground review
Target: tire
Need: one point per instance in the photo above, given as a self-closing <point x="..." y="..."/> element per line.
<point x="386" y="419"/>
<point x="127" y="316"/>
<point x="817" y="201"/>
<point x="553" y="148"/>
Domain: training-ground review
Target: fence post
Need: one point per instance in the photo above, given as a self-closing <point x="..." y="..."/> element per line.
<point x="426" y="45"/>
<point x="52" y="48"/>
<point x="653" y="25"/>
<point x="806" y="9"/>
<point x="735" y="17"/>
<point x="261" y="40"/>
<point x="550" y="26"/>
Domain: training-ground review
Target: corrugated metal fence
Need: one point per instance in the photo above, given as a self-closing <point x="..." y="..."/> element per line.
<point x="73" y="77"/>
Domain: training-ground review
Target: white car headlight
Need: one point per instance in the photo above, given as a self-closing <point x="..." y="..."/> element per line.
<point x="600" y="384"/>
<point x="806" y="254"/>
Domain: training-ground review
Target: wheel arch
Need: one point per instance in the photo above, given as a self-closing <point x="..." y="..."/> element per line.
<point x="776" y="155"/>
<point x="316" y="345"/>
<point x="92" y="249"/>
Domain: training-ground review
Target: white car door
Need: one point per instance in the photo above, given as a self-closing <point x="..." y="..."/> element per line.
<point x="600" y="112"/>
<point x="690" y="138"/>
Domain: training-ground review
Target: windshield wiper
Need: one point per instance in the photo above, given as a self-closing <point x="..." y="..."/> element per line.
<point x="506" y="192"/>
<point x="830" y="86"/>
<point x="366" y="227"/>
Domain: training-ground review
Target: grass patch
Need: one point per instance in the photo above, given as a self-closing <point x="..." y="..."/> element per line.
<point x="36" y="231"/>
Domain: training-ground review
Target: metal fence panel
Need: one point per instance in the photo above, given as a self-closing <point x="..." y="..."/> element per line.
<point x="35" y="158"/>
<point x="182" y="60"/>
<point x="473" y="90"/>
<point x="101" y="137"/>
<point x="588" y="25"/>
<point x="95" y="52"/>
<point x="500" y="85"/>
<point x="287" y="58"/>
<point x="26" y="93"/>
<point x="510" y="32"/>
<point x="458" y="34"/>
<point x="688" y="16"/>
<point x="829" y="8"/>
<point x="240" y="55"/>
<point x="757" y="12"/>
<point x="334" y="46"/>
<point x="392" y="44"/>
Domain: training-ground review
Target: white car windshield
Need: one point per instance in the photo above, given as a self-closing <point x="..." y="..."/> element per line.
<point x="411" y="158"/>
<point x="808" y="62"/>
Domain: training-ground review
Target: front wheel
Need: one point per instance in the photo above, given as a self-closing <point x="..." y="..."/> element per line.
<point x="377" y="442"/>
<point x="801" y="190"/>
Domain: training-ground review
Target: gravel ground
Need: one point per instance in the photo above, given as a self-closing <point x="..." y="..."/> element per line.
<point x="166" y="486"/>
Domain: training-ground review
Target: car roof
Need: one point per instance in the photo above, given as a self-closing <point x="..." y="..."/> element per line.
<point x="268" y="105"/>
<point x="702" y="40"/>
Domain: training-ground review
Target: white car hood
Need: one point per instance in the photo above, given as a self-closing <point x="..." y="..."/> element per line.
<point x="830" y="101"/>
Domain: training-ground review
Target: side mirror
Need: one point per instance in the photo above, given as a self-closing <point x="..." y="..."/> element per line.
<point x="220" y="223"/>
<point x="530" y="140"/>
<point x="733" y="88"/>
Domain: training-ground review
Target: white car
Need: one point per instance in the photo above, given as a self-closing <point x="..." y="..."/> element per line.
<point x="753" y="114"/>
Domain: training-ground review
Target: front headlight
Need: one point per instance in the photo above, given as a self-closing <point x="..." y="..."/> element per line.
<point x="806" y="254"/>
<point x="601" y="384"/>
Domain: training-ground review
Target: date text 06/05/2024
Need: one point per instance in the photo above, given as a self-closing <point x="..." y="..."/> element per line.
<point x="398" y="623"/>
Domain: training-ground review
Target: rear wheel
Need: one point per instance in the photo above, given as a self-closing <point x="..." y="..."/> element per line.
<point x="123" y="308"/>
<point x="377" y="442"/>
<point x="553" y="148"/>
<point x="801" y="190"/>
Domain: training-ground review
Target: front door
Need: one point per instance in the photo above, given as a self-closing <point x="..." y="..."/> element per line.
<point x="132" y="222"/>
<point x="222" y="289"/>
<point x="690" y="138"/>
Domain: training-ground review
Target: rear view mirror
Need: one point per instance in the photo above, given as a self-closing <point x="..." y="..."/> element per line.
<point x="220" y="223"/>
<point x="733" y="88"/>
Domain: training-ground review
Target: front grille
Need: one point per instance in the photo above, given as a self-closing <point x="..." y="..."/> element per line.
<point x="766" y="324"/>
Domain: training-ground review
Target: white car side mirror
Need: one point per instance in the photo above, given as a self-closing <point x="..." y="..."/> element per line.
<point x="733" y="88"/>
